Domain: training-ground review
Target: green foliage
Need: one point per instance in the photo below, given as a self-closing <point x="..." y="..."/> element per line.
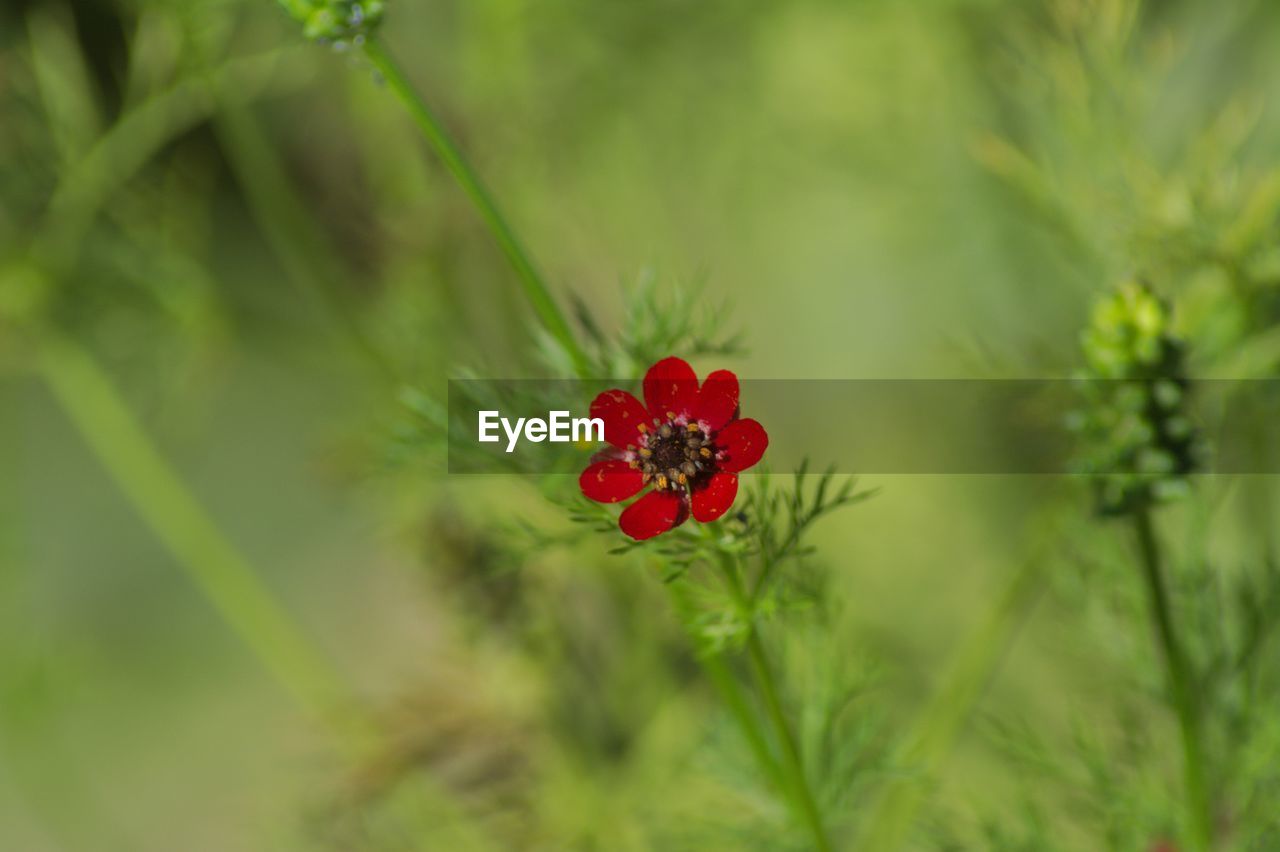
<point x="786" y="518"/>
<point x="657" y="322"/>
<point x="766" y="534"/>
<point x="203" y="209"/>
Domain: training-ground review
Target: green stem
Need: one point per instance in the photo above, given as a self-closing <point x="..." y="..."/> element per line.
<point x="218" y="569"/>
<point x="732" y="695"/>
<point x="790" y="751"/>
<point x="304" y="253"/>
<point x="935" y="731"/>
<point x="1181" y="687"/>
<point x="85" y="185"/>
<point x="111" y="429"/>
<point x="792" y="763"/>
<point x="535" y="288"/>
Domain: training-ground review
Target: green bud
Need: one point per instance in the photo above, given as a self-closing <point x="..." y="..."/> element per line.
<point x="1137" y="439"/>
<point x="338" y="22"/>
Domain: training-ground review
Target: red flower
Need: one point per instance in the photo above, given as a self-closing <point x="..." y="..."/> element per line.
<point x="686" y="441"/>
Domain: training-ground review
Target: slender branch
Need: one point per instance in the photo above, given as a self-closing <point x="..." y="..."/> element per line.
<point x="535" y="287"/>
<point x="112" y="431"/>
<point x="732" y="695"/>
<point x="218" y="569"/>
<point x="1181" y="687"/>
<point x="936" y="729"/>
<point x="123" y="149"/>
<point x="792" y="763"/>
<point x="790" y="751"/>
<point x="290" y="230"/>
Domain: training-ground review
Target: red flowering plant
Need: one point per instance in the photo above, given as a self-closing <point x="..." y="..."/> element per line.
<point x="677" y="454"/>
<point x="685" y="443"/>
<point x="683" y="447"/>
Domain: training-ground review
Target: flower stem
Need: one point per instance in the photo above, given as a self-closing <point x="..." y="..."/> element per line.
<point x="1181" y="688"/>
<point x="112" y="431"/>
<point x="731" y="694"/>
<point x="218" y="569"/>
<point x="535" y="288"/>
<point x="290" y="230"/>
<point x="792" y="763"/>
<point x="937" y="728"/>
<point x="790" y="751"/>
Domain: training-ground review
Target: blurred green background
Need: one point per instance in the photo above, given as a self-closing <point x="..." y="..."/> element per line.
<point x="246" y="233"/>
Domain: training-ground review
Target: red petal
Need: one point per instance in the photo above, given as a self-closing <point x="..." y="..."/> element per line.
<point x="743" y="442"/>
<point x="718" y="400"/>
<point x="610" y="481"/>
<point x="622" y="414"/>
<point x="714" y="499"/>
<point x="671" y="385"/>
<point x="653" y="514"/>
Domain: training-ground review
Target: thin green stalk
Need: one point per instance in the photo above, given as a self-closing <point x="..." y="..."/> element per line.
<point x="935" y="731"/>
<point x="1181" y="686"/>
<point x="792" y="763"/>
<point x="732" y="695"/>
<point x="535" y="288"/>
<point x="122" y="150"/>
<point x="218" y="569"/>
<point x="113" y="432"/>
<point x="307" y="258"/>
<point x="790" y="751"/>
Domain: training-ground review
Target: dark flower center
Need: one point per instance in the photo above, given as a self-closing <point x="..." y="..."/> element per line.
<point x="676" y="457"/>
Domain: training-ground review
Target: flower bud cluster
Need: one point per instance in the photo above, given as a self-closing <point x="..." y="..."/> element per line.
<point x="1139" y="442"/>
<point x="341" y="23"/>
